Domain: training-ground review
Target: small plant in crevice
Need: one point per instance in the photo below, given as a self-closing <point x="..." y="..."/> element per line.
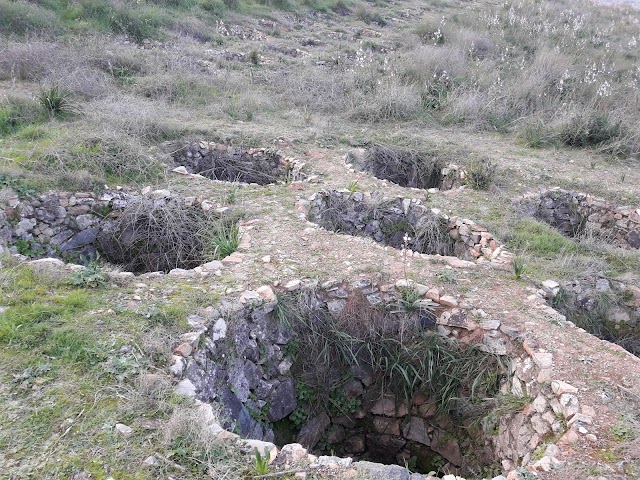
<point x="518" y="267"/>
<point x="91" y="275"/>
<point x="340" y="404"/>
<point x="29" y="248"/>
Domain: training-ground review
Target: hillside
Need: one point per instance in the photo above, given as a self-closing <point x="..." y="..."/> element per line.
<point x="397" y="231"/>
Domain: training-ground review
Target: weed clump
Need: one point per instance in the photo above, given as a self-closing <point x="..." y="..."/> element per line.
<point x="57" y="101"/>
<point x="480" y="174"/>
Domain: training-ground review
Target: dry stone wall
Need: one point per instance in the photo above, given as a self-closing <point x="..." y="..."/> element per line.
<point x="237" y="355"/>
<point x="59" y="223"/>
<point x="389" y="220"/>
<point x="573" y="212"/>
<point x="76" y="226"/>
<point x="217" y="161"/>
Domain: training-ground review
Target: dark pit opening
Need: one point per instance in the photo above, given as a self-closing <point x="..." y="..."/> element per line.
<point x="139" y="234"/>
<point x="151" y="235"/>
<point x="348" y="371"/>
<point x="393" y="222"/>
<point x="407" y="167"/>
<point x="401" y="223"/>
<point x="236" y="164"/>
<point x="609" y="310"/>
<point x="574" y="213"/>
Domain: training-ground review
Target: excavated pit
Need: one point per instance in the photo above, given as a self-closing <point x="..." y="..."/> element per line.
<point x="216" y="161"/>
<point x="401" y="223"/>
<point x="139" y="234"/>
<point x="610" y="310"/>
<point x="407" y="168"/>
<point x="574" y="213"/>
<point x="357" y="370"/>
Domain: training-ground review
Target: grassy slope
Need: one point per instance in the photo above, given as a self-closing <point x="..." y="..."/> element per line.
<point x="488" y="81"/>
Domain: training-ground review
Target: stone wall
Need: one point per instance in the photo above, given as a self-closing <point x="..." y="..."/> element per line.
<point x="235" y="164"/>
<point x="407" y="172"/>
<point x="238" y="355"/>
<point x="77" y="225"/>
<point x="388" y="220"/>
<point x="59" y="223"/>
<point x="574" y="212"/>
<point x="609" y="309"/>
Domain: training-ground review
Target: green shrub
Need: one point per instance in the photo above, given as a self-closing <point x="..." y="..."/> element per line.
<point x="480" y="174"/>
<point x="92" y="275"/>
<point x="214" y="7"/>
<point x="139" y="23"/>
<point x="22" y="187"/>
<point x="595" y="130"/>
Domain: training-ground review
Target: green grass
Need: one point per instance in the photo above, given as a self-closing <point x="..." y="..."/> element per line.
<point x="18" y="114"/>
<point x="221" y="240"/>
<point x="532" y="236"/>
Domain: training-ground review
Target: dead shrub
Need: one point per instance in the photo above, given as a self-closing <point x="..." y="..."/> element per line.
<point x="407" y="168"/>
<point x="155" y="235"/>
<point x="157" y="344"/>
<point x="390" y="101"/>
<point x="30" y="61"/>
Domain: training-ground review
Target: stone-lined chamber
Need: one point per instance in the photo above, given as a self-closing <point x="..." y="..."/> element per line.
<point x="78" y="226"/>
<point x="389" y="220"/>
<point x="572" y="213"/>
<point x="243" y="356"/>
<point x="407" y="168"/>
<point x="217" y="161"/>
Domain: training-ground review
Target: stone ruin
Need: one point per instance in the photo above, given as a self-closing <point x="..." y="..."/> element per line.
<point x="139" y="232"/>
<point x="573" y="213"/>
<point x="407" y="168"/>
<point x="246" y="357"/>
<point x="390" y="220"/>
<point x="217" y="161"/>
<point x="610" y="310"/>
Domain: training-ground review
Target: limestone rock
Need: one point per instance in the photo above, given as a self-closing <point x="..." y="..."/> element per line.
<point x="186" y="388"/>
<point x="559" y="387"/>
<point x="312" y="431"/>
<point x="291" y="454"/>
<point x="283" y="401"/>
<point x="264" y="449"/>
<point x="124" y="429"/>
<point x="377" y="471"/>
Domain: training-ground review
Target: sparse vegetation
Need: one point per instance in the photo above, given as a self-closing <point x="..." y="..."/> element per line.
<point x="95" y="92"/>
